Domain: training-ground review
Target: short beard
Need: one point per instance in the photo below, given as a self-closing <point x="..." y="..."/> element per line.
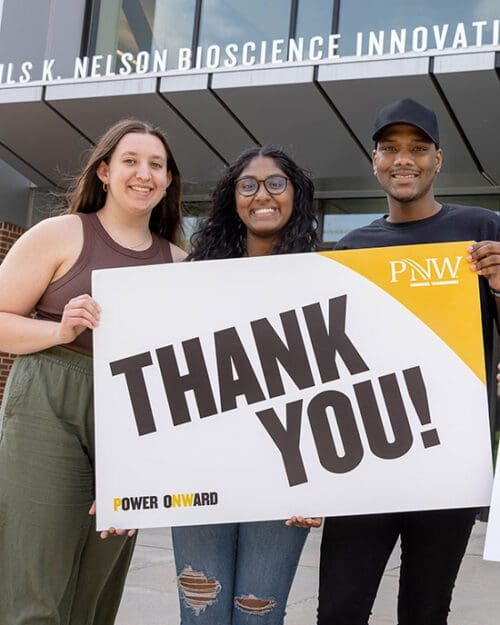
<point x="408" y="199"/>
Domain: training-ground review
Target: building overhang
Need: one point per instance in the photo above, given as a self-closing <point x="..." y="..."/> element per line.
<point x="321" y="114"/>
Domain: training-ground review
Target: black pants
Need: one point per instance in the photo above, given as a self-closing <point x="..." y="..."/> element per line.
<point x="355" y="550"/>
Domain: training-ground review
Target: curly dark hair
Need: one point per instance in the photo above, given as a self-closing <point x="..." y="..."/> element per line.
<point x="223" y="235"/>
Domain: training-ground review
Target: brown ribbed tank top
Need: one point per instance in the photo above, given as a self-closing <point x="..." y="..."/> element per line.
<point x="99" y="251"/>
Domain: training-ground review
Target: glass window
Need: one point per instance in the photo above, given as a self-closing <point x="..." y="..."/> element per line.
<point x="173" y="27"/>
<point x="485" y="201"/>
<point x="314" y="18"/>
<point x="343" y="215"/>
<point x="433" y="22"/>
<point x="137" y="32"/>
<point x="337" y="226"/>
<point x="194" y="213"/>
<point x="237" y="22"/>
<point x="340" y="216"/>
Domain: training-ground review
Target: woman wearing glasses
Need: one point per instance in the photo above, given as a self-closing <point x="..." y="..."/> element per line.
<point x="227" y="573"/>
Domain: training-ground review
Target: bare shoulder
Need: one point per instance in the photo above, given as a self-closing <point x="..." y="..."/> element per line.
<point x="50" y="247"/>
<point x="50" y="236"/>
<point x="55" y="227"/>
<point x="178" y="254"/>
<point x="36" y="259"/>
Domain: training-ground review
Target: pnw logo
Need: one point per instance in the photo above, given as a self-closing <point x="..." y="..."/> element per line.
<point x="429" y="272"/>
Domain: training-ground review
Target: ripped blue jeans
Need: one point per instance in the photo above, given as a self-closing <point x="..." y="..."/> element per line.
<point x="237" y="573"/>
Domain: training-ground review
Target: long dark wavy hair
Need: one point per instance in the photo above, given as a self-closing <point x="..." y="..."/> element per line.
<point x="86" y="193"/>
<point x="223" y="235"/>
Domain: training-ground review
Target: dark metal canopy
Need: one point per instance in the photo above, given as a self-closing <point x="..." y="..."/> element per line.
<point x="320" y="114"/>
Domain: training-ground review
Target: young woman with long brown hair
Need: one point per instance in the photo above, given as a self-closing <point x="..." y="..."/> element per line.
<point x="124" y="210"/>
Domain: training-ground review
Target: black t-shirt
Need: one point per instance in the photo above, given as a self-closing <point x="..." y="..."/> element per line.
<point x="451" y="223"/>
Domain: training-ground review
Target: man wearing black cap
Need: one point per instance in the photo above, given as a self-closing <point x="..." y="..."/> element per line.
<point x="355" y="549"/>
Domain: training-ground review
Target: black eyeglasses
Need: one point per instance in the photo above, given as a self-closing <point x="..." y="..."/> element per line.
<point x="248" y="185"/>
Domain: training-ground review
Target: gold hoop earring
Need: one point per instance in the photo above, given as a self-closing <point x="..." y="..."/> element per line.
<point x="105" y="187"/>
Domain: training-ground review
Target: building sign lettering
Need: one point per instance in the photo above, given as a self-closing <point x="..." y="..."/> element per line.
<point x="436" y="37"/>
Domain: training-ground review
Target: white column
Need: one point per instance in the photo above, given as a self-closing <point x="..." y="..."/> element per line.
<point x="1" y="11"/>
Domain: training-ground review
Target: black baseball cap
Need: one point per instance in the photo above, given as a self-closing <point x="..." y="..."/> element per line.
<point x="407" y="111"/>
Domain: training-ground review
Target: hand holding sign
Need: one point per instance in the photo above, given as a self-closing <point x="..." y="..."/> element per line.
<point x="484" y="258"/>
<point x="111" y="531"/>
<point x="300" y="521"/>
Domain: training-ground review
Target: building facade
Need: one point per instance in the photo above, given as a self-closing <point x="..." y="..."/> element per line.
<point x="221" y="75"/>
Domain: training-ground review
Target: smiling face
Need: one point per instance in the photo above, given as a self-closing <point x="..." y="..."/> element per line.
<point x="136" y="175"/>
<point x="405" y="162"/>
<point x="264" y="214"/>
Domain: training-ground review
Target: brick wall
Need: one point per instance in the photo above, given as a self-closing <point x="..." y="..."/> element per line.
<point x="8" y="236"/>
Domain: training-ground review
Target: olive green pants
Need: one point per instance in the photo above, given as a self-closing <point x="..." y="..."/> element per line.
<point x="54" y="568"/>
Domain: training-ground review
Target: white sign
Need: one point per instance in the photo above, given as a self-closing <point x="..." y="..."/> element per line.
<point x="435" y="37"/>
<point x="492" y="542"/>
<point x="313" y="384"/>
